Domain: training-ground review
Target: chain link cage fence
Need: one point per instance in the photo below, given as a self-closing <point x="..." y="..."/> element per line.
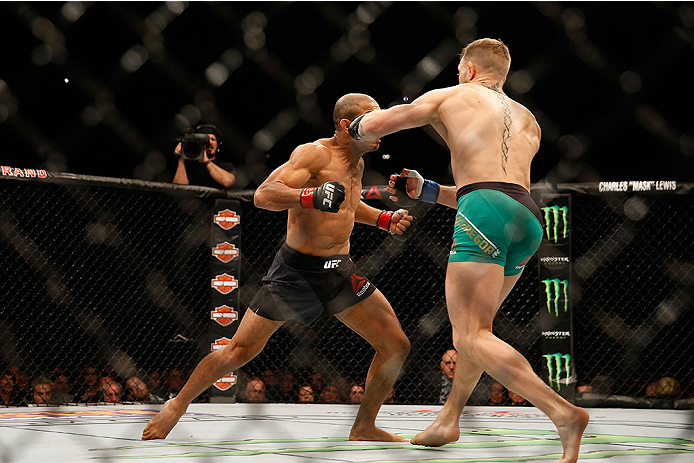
<point x="110" y="279"/>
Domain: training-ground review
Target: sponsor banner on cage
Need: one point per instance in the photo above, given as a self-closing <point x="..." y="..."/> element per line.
<point x="555" y="289"/>
<point x="224" y="315"/>
<point x="225" y="382"/>
<point x="225" y="274"/>
<point x="559" y="371"/>
<point x="556" y="222"/>
<point x="8" y="171"/>
<point x="225" y="283"/>
<point x="637" y="186"/>
<point x="225" y="252"/>
<point x="227" y="219"/>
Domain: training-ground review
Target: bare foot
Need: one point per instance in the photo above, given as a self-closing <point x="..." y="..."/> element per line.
<point x="374" y="434"/>
<point x="571" y="433"/>
<point x="162" y="423"/>
<point x="436" y="435"/>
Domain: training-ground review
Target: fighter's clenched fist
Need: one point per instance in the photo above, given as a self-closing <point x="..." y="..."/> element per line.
<point x="327" y="198"/>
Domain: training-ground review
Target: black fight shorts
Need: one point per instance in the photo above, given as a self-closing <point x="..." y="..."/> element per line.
<point x="303" y="288"/>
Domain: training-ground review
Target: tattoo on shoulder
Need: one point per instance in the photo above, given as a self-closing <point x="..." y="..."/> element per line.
<point x="361" y="166"/>
<point x="507" y="123"/>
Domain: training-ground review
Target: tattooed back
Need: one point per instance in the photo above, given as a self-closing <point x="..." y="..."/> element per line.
<point x="491" y="137"/>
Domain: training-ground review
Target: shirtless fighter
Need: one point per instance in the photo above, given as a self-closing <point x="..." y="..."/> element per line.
<point x="497" y="229"/>
<point x="312" y="274"/>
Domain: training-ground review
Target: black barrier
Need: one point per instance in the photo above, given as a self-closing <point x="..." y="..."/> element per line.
<point x="115" y="274"/>
<point x="225" y="273"/>
<point x="554" y="274"/>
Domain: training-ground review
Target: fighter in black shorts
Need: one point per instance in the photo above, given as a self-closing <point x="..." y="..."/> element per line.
<point x="312" y="274"/>
<point x="303" y="287"/>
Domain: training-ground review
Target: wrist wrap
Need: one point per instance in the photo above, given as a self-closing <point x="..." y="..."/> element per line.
<point x="307" y="197"/>
<point x="430" y="192"/>
<point x="384" y="219"/>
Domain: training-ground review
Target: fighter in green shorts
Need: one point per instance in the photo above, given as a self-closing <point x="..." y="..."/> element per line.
<point x="496" y="222"/>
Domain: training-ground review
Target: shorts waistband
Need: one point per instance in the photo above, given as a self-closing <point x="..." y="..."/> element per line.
<point x="513" y="190"/>
<point x="302" y="261"/>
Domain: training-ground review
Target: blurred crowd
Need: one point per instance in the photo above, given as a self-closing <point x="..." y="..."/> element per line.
<point x="101" y="385"/>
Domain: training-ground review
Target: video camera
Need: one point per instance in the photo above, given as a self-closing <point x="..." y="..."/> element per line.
<point x="193" y="145"/>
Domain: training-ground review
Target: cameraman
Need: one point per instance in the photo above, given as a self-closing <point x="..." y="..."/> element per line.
<point x="201" y="168"/>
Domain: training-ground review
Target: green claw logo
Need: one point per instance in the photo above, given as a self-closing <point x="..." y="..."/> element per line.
<point x="554" y="215"/>
<point x="554" y="289"/>
<point x="556" y="363"/>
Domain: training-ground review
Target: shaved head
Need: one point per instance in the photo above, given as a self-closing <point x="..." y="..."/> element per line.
<point x="352" y="105"/>
<point x="488" y="54"/>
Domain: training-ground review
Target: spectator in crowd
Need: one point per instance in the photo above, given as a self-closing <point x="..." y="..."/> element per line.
<point x="42" y="391"/>
<point x="497" y="394"/>
<point x="272" y="386"/>
<point x="139" y="392"/>
<point x="306" y="393"/>
<point x="356" y="392"/>
<point x="22" y="383"/>
<point x="207" y="170"/>
<point x="109" y="372"/>
<point x="175" y="381"/>
<point x="447" y="364"/>
<point x="255" y="390"/>
<point x="517" y="399"/>
<point x="343" y="386"/>
<point x="287" y="390"/>
<point x="89" y="390"/>
<point x="583" y="387"/>
<point x="665" y="388"/>
<point x="8" y="394"/>
<point x="62" y="389"/>
<point x="156" y="383"/>
<point x="329" y="394"/>
<point x="316" y="382"/>
<point x="111" y="392"/>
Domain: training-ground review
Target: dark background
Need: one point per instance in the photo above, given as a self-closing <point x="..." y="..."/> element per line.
<point x="608" y="82"/>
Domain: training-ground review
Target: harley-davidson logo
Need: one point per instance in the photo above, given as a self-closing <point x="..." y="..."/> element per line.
<point x="227" y="219"/>
<point x="225" y="283"/>
<point x="219" y="343"/>
<point x="225" y="382"/>
<point x="224" y="315"/>
<point x="225" y="252"/>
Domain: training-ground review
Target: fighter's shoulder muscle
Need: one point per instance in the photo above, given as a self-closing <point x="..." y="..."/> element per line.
<point x="530" y="117"/>
<point x="312" y="156"/>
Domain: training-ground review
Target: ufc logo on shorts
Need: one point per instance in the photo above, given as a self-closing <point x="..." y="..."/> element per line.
<point x="329" y="190"/>
<point x="332" y="263"/>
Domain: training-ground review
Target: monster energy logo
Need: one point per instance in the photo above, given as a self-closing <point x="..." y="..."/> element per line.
<point x="553" y="289"/>
<point x="554" y="215"/>
<point x="555" y="364"/>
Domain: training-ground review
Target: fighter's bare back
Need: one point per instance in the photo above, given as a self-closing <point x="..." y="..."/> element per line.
<point x="491" y="137"/>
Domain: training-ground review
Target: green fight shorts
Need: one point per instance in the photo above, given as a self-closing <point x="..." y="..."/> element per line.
<point x="498" y="223"/>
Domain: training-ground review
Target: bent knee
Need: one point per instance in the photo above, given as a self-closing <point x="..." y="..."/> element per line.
<point x="399" y="345"/>
<point x="239" y="354"/>
<point x="467" y="345"/>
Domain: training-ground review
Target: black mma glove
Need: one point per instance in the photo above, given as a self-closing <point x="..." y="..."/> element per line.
<point x="417" y="187"/>
<point x="327" y="198"/>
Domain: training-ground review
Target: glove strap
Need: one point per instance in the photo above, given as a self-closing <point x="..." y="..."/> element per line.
<point x="354" y="128"/>
<point x="430" y="192"/>
<point x="307" y="197"/>
<point x="384" y="219"/>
